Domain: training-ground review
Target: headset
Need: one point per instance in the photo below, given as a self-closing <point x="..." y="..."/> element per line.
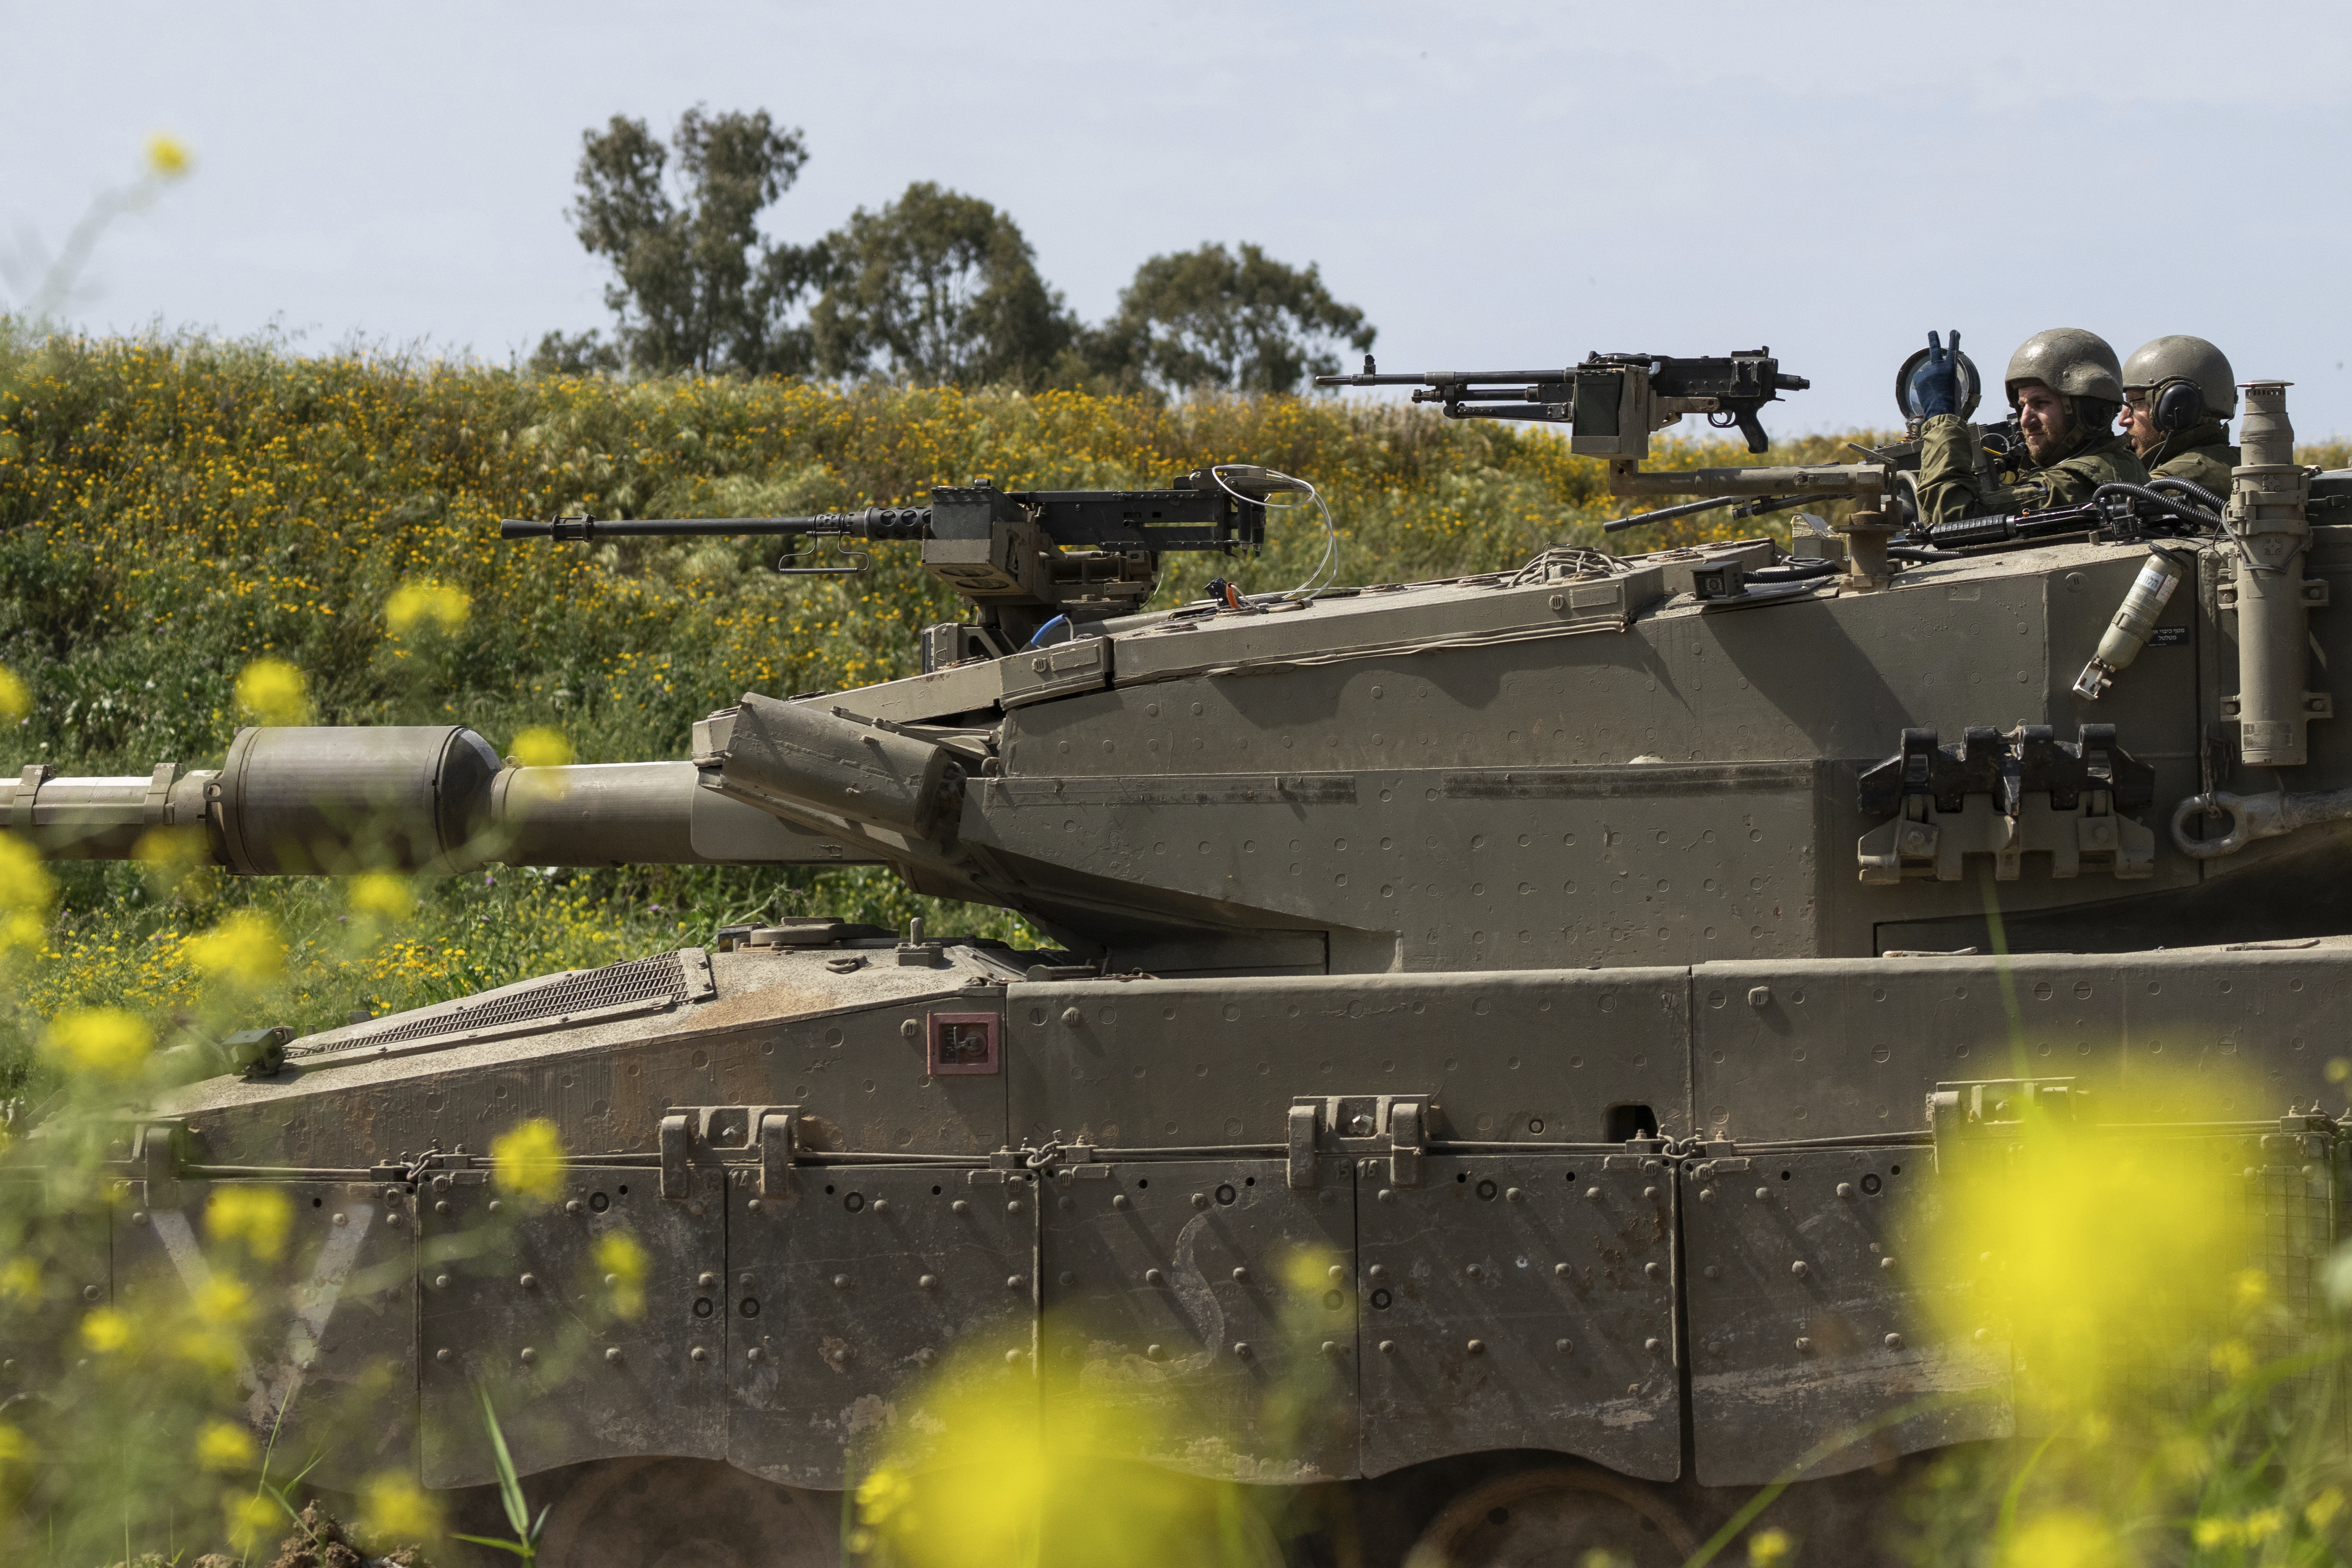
<point x="2174" y="403"/>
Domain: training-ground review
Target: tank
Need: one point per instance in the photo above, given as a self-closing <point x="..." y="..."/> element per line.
<point x="1504" y="1038"/>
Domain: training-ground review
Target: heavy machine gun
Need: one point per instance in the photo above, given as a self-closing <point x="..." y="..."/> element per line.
<point x="1612" y="402"/>
<point x="1023" y="559"/>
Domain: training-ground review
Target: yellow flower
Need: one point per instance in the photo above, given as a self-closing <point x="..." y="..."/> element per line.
<point x="1767" y="1547"/>
<point x="529" y="1161"/>
<point x="167" y="156"/>
<point x="2321" y="1511"/>
<point x="20" y="1280"/>
<point x="2211" y="1531"/>
<point x="105" y="1331"/>
<point x="542" y="747"/>
<point x="413" y="604"/>
<point x="106" y="1041"/>
<point x="382" y="894"/>
<point x="396" y="1512"/>
<point x="2232" y="1358"/>
<point x="1307" y="1270"/>
<point x="16" y="697"/>
<point x="623" y="1264"/>
<point x="26" y="884"/>
<point x="224" y="1446"/>
<point x="2254" y="1287"/>
<point x="13" y="1444"/>
<point x="170" y="850"/>
<point x="250" y="1520"/>
<point x="259" y="1217"/>
<point x="2065" y="1539"/>
<point x="244" y="951"/>
<point x="224" y="1301"/>
<point x="272" y="691"/>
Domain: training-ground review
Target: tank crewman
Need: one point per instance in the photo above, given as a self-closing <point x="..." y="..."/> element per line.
<point x="2067" y="389"/>
<point x="2178" y="398"/>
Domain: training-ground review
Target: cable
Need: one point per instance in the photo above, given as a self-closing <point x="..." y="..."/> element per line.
<point x="1326" y="568"/>
<point x="2186" y="513"/>
<point x="2194" y="490"/>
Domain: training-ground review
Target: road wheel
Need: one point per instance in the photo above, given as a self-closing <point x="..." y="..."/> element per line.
<point x="689" y="1513"/>
<point x="1554" y="1518"/>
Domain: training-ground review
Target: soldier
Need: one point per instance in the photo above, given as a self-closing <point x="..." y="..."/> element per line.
<point x="2067" y="388"/>
<point x="2178" y="398"/>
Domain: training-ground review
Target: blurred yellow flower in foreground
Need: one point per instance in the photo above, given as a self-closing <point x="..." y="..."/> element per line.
<point x="396" y="1512"/>
<point x="623" y="1264"/>
<point x="171" y="849"/>
<point x="26" y="891"/>
<point x="106" y="1041"/>
<point x="414" y="605"/>
<point x="105" y="1331"/>
<point x="384" y="895"/>
<point x="258" y="1216"/>
<point x="2065" y="1539"/>
<point x="542" y="748"/>
<point x="1769" y="1548"/>
<point x="250" y="1520"/>
<point x="245" y="950"/>
<point x="529" y="1161"/>
<point x="16" y="697"/>
<point x="223" y="1300"/>
<point x="224" y="1446"/>
<point x="20" y="1279"/>
<point x="167" y="156"/>
<point x="272" y="691"/>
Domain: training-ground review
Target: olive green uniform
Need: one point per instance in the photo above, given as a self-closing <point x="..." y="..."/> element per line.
<point x="2201" y="454"/>
<point x="1949" y="486"/>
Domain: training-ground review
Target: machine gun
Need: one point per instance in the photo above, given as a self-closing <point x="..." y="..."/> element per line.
<point x="2164" y="508"/>
<point x="1612" y="402"/>
<point x="1020" y="558"/>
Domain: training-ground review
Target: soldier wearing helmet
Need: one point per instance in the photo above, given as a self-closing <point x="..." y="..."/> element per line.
<point x="2067" y="389"/>
<point x="2178" y="398"/>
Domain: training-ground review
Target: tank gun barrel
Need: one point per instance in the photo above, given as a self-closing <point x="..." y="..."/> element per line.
<point x="301" y="801"/>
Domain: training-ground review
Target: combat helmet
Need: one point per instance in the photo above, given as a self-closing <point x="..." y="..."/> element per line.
<point x="2189" y="364"/>
<point x="2069" y="362"/>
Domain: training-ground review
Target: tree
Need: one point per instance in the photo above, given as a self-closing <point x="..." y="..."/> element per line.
<point x="939" y="288"/>
<point x="697" y="286"/>
<point x="1207" y="318"/>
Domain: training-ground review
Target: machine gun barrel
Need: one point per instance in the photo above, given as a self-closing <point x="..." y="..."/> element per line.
<point x="1613" y="401"/>
<point x="873" y="523"/>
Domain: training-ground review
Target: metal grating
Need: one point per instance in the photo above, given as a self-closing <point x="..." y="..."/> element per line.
<point x="665" y="974"/>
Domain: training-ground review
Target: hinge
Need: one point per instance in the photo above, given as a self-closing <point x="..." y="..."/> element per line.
<point x="156" y="1158"/>
<point x="1963" y="1110"/>
<point x="27" y="795"/>
<point x="695" y="1135"/>
<point x="1394" y="1126"/>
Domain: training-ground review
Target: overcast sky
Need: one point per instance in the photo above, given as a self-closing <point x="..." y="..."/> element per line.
<point x="1496" y="184"/>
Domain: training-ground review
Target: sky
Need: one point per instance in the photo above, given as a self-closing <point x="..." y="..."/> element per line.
<point x="1499" y="185"/>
